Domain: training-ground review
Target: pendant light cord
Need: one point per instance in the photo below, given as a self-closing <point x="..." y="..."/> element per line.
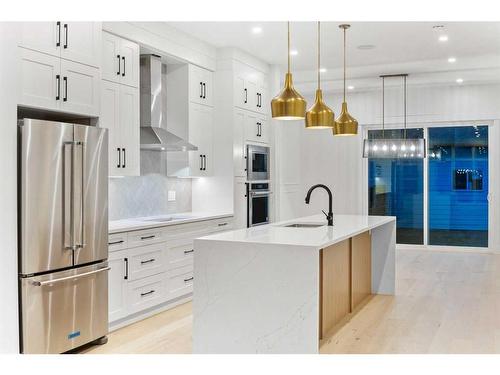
<point x="404" y="83"/>
<point x="319" y="56"/>
<point x="288" y="23"/>
<point x="383" y="107"/>
<point x="344" y="65"/>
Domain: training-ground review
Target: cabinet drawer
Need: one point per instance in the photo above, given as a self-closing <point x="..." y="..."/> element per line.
<point x="191" y="230"/>
<point x="146" y="261"/>
<point x="179" y="282"/>
<point x="179" y="253"/>
<point x="117" y="241"/>
<point x="145" y="293"/>
<point x="221" y="225"/>
<point x="145" y="237"/>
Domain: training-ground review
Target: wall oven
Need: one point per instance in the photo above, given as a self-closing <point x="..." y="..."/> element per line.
<point x="257" y="163"/>
<point x="258" y="203"/>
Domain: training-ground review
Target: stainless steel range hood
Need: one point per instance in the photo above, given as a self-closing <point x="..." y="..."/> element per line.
<point x="154" y="137"/>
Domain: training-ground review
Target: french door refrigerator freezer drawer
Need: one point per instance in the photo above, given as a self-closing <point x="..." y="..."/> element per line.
<point x="64" y="310"/>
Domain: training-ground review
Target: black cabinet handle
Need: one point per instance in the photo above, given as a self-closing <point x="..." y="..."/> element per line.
<point x="123" y="58"/>
<point x="124" y="157"/>
<point x="258" y="129"/>
<point x="246" y="96"/>
<point x="201" y="90"/>
<point x="257" y="100"/>
<point x="201" y="162"/>
<point x="188" y="251"/>
<point x="204" y="91"/>
<point x="65" y="79"/>
<point x="65" y="35"/>
<point x="116" y="242"/>
<point x="221" y="224"/>
<point x="58" y="43"/>
<point x="126" y="269"/>
<point x="58" y="82"/>
<point x="148" y="237"/>
<point x="119" y="66"/>
<point x="148" y="261"/>
<point x="147" y="293"/>
<point x="188" y="279"/>
<point x="204" y="162"/>
<point x="119" y="165"/>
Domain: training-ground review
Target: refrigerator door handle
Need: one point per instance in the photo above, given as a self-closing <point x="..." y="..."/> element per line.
<point x="81" y="244"/>
<point x="72" y="277"/>
<point x="68" y="211"/>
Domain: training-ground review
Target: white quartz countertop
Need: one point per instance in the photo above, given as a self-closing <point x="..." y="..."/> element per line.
<point x="344" y="226"/>
<point x="138" y="223"/>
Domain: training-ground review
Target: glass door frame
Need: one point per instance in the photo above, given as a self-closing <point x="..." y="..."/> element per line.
<point x="493" y="166"/>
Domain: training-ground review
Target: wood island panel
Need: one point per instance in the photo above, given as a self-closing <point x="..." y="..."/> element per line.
<point x="335" y="282"/>
<point x="361" y="265"/>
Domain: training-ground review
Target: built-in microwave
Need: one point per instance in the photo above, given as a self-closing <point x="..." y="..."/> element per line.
<point x="257" y="163"/>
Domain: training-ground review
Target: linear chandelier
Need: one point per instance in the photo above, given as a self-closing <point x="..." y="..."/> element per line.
<point x="387" y="148"/>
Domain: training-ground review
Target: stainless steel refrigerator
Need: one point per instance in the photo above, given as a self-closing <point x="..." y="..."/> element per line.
<point x="63" y="235"/>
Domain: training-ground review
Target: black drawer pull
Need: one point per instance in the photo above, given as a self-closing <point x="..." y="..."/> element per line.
<point x="123" y="59"/>
<point x="58" y="80"/>
<point x="147" y="293"/>
<point x="148" y="261"/>
<point x="188" y="251"/>
<point x="116" y="242"/>
<point x="126" y="269"/>
<point x="148" y="237"/>
<point x="119" y="65"/>
<point x="221" y="224"/>
<point x="189" y="279"/>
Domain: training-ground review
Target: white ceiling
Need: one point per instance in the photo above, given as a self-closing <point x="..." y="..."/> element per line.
<point x="411" y="47"/>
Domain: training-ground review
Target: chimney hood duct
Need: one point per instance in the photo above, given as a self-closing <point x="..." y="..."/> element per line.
<point x="153" y="136"/>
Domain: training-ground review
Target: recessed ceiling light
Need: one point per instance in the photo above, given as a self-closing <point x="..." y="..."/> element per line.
<point x="294" y="52"/>
<point x="256" y="30"/>
<point x="452" y="60"/>
<point x="443" y="38"/>
<point x="322" y="70"/>
<point x="366" y="46"/>
<point x="350" y="87"/>
<point x="459" y="80"/>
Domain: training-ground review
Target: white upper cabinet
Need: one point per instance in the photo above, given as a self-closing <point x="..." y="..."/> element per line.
<point x="76" y="41"/>
<point x="256" y="129"/>
<point x="120" y="60"/>
<point x="79" y="88"/>
<point x="250" y="89"/>
<point x="200" y="85"/>
<point x="201" y="135"/>
<point x="120" y="115"/>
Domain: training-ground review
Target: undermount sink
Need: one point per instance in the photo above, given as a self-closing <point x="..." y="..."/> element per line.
<point x="303" y="225"/>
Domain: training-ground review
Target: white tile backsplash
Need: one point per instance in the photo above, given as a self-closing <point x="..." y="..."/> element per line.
<point x="147" y="195"/>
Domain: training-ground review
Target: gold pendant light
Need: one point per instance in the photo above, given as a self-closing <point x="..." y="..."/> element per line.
<point x="289" y="104"/>
<point x="319" y="116"/>
<point x="345" y="123"/>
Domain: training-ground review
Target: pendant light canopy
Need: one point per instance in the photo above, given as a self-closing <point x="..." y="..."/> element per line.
<point x="319" y="116"/>
<point x="345" y="123"/>
<point x="386" y="148"/>
<point x="289" y="104"/>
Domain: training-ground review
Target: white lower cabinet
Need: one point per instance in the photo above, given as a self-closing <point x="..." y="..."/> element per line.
<point x="117" y="285"/>
<point x="153" y="267"/>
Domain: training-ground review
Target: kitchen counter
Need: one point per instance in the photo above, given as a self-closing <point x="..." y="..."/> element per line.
<point x="138" y="223"/>
<point x="272" y="288"/>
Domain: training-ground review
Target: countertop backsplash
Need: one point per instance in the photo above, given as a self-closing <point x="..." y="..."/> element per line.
<point x="147" y="195"/>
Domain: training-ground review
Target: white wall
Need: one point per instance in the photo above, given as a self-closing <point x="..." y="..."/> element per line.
<point x="306" y="157"/>
<point x="9" y="337"/>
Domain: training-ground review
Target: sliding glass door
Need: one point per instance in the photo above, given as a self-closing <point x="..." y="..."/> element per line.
<point x="456" y="187"/>
<point x="396" y="188"/>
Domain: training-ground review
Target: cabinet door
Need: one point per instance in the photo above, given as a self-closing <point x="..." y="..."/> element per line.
<point x="195" y="84"/>
<point x="111" y="58"/>
<point x="41" y="36"/>
<point x="80" y="88"/>
<point x="129" y="52"/>
<point x="40" y="81"/>
<point x="81" y="42"/>
<point x="110" y="119"/>
<point x="207" y="87"/>
<point x="252" y="128"/>
<point x="117" y="285"/>
<point x="200" y="134"/>
<point x="239" y="149"/>
<point x="129" y="130"/>
<point x="240" y="93"/>
<point x="264" y="133"/>
<point x="361" y="268"/>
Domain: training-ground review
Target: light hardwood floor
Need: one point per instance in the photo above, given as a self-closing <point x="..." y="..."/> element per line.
<point x="445" y="303"/>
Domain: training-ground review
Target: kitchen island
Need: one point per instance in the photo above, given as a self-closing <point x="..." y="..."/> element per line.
<point x="286" y="287"/>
